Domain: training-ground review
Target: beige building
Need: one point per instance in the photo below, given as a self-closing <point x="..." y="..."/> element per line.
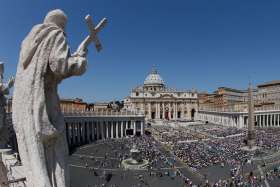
<point x="157" y="101"/>
<point x="101" y="107"/>
<point x="223" y="98"/>
<point x="266" y="96"/>
<point x="72" y="105"/>
<point x="269" y="93"/>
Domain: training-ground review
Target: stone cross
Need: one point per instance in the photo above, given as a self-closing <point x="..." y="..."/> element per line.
<point x="94" y="30"/>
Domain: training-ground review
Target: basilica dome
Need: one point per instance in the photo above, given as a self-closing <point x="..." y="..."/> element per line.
<point x="153" y="79"/>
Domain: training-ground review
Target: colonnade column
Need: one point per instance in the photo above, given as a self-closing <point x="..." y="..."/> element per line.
<point x="122" y="129"/>
<point x="68" y="133"/>
<point x="102" y="129"/>
<point x="112" y="129"/>
<point x="98" y="130"/>
<point x="142" y="127"/>
<point x="107" y="129"/>
<point x="117" y="129"/>
<point x="84" y="132"/>
<point x="134" y="127"/>
<point x="94" y="130"/>
<point x="266" y="121"/>
<point x="88" y="131"/>
<point x="126" y="124"/>
<point x="79" y="133"/>
<point x="73" y="129"/>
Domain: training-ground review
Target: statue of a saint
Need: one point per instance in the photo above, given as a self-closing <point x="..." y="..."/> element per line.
<point x="4" y="90"/>
<point x="45" y="60"/>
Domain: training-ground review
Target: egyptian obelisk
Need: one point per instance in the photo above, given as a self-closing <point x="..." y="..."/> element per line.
<point x="251" y="138"/>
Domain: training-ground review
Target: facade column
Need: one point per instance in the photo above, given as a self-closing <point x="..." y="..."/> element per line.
<point x="157" y="110"/>
<point x="278" y="118"/>
<point x="241" y="122"/>
<point x="169" y="110"/>
<point x="73" y="133"/>
<point x="174" y="111"/>
<point x="183" y="112"/>
<point x="161" y="106"/>
<point x="149" y="110"/>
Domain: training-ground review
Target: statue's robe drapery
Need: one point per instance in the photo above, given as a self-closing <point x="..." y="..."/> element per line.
<point x="44" y="61"/>
<point x="4" y="133"/>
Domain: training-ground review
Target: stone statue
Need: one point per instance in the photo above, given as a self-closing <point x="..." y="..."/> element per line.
<point x="45" y="60"/>
<point x="4" y="90"/>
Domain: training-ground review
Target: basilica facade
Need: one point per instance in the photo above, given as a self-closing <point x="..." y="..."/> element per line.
<point x="157" y="101"/>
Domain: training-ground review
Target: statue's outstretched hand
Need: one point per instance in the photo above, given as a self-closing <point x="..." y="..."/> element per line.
<point x="82" y="49"/>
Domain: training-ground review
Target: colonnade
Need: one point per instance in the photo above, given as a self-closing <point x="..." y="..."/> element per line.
<point x="268" y="120"/>
<point x="81" y="131"/>
<point x="240" y="119"/>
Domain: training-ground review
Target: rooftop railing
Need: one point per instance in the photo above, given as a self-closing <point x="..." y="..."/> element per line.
<point x="230" y="109"/>
<point x="104" y="114"/>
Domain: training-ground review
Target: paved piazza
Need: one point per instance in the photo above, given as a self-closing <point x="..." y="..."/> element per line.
<point x="180" y="154"/>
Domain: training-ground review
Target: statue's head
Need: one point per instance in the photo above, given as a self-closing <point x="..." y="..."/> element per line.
<point x="57" y="17"/>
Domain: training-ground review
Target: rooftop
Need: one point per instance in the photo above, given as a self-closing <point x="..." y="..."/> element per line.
<point x="269" y="83"/>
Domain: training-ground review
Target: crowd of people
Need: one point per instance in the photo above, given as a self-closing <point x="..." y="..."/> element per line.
<point x="192" y="145"/>
<point x="216" y="130"/>
<point x="212" y="152"/>
<point x="224" y="150"/>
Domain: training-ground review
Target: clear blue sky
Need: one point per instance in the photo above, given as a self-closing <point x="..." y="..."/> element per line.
<point x="200" y="44"/>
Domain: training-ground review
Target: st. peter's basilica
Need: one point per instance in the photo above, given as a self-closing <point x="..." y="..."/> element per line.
<point x="157" y="101"/>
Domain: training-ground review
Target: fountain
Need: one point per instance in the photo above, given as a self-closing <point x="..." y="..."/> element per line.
<point x="135" y="162"/>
